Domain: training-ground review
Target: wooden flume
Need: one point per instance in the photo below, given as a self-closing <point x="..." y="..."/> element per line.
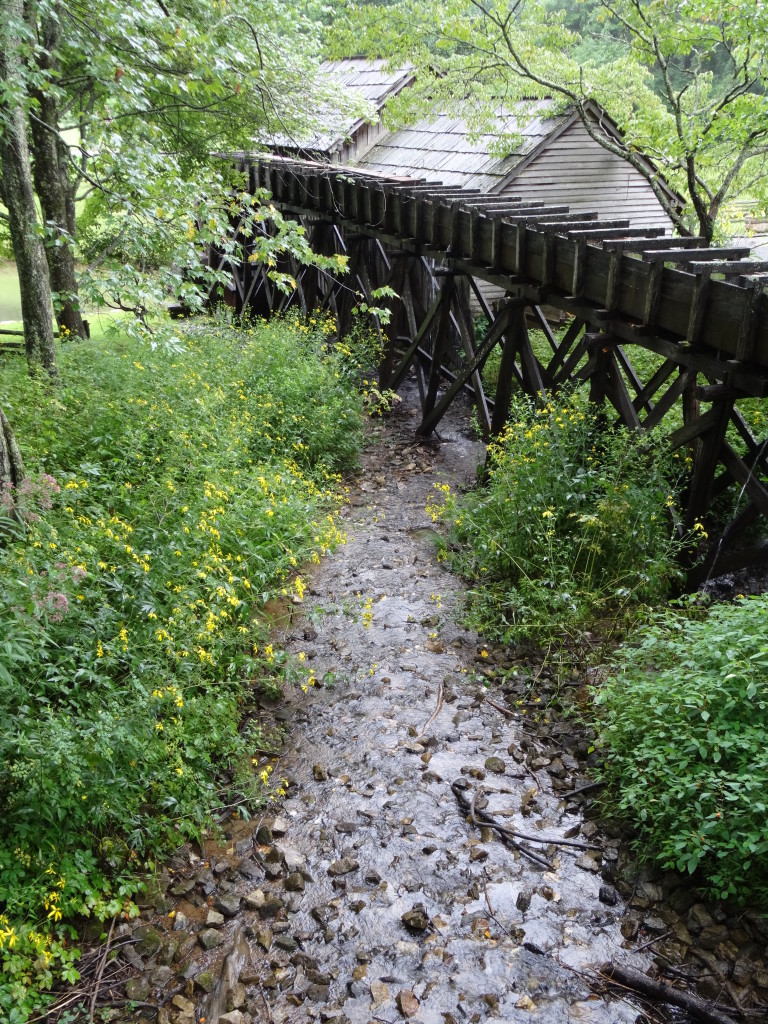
<point x="622" y="290"/>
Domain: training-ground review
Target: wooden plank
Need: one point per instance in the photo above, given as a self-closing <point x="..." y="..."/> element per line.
<point x="665" y="403"/>
<point x="681" y="255"/>
<point x="399" y="374"/>
<point x="744" y="476"/>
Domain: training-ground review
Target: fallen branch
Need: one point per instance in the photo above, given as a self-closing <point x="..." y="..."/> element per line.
<point x="583" y="789"/>
<point x="501" y="708"/>
<point x="486" y="819"/>
<point x="663" y="992"/>
<point x="435" y="713"/>
<point x="513" y="833"/>
<point x="100" y="972"/>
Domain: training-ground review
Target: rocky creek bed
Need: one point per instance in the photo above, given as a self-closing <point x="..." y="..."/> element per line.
<point x="436" y="856"/>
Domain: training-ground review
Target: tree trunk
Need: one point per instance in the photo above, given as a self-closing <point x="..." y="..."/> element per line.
<point x="53" y="185"/>
<point x="19" y="199"/>
<point x="11" y="466"/>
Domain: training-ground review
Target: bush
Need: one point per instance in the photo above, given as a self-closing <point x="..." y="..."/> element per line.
<point x="683" y="719"/>
<point x="177" y="495"/>
<point x="573" y="525"/>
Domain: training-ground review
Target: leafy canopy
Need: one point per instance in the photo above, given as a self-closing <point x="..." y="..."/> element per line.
<point x="685" y="80"/>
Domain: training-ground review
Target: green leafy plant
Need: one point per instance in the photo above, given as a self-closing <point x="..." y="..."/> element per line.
<point x="177" y="495"/>
<point x="573" y="525"/>
<point x="682" y="721"/>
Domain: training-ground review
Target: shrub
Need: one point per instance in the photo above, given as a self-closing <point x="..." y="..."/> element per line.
<point x="177" y="494"/>
<point x="573" y="524"/>
<point x="683" y="719"/>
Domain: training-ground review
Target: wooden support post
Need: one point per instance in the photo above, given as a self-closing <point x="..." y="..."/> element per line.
<point x="405" y="362"/>
<point x="438" y="347"/>
<point x="601" y="353"/>
<point x="504" y="385"/>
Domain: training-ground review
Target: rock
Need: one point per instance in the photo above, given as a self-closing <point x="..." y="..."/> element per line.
<point x="161" y="976"/>
<point x="524" y="900"/>
<point x="379" y="994"/>
<point x="271" y="907"/>
<point x="227" y="905"/>
<point x="407" y="1003"/>
<point x="205" y="980"/>
<point x="264" y="938"/>
<point x="295" y="882"/>
<point x="264" y="835"/>
<point x="279" y="827"/>
<point x="248" y="868"/>
<point x="608" y="895"/>
<point x="319" y="773"/>
<point x="416" y="919"/>
<point x="149" y="943"/>
<point x="210" y="938"/>
<point x="590" y="860"/>
<point x="168" y="949"/>
<point x="698" y="918"/>
<point x="343" y="866"/>
<point x="286" y="942"/>
<point x="182" y="1003"/>
<point x="180" y="922"/>
<point x="255" y="899"/>
<point x="629" y="928"/>
<point x="214" y="918"/>
<point x="525" y="1003"/>
<point x="233" y="1017"/>
<point x="477" y="853"/>
<point x="236" y="998"/>
<point x="138" y="989"/>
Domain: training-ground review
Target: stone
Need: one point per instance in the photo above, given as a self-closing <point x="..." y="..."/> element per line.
<point x="525" y="1003"/>
<point x="295" y="882"/>
<point x="478" y="854"/>
<point x="343" y="866"/>
<point x="495" y="765"/>
<point x="590" y="860"/>
<point x="210" y="938"/>
<point x="271" y="907"/>
<point x="205" y="980"/>
<point x="182" y="1003"/>
<point x="264" y="835"/>
<point x="160" y="976"/>
<point x="233" y="1017"/>
<point x="523" y="900"/>
<point x="407" y="1003"/>
<point x="608" y="895"/>
<point x="279" y="827"/>
<point x="180" y="922"/>
<point x="214" y="918"/>
<point x="168" y="949"/>
<point x="629" y="928"/>
<point x="416" y="919"/>
<point x="227" y="905"/>
<point x="255" y="899"/>
<point x="149" y="943"/>
<point x="286" y="942"/>
<point x="138" y="989"/>
<point x="379" y="994"/>
<point x="248" y="868"/>
<point x="319" y="773"/>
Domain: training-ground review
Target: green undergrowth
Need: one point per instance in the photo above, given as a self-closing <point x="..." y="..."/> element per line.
<point x="682" y="722"/>
<point x="170" y="497"/>
<point x="574" y="527"/>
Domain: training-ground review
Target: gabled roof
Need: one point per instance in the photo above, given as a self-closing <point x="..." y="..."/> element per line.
<point x="369" y="79"/>
<point x="439" y="149"/>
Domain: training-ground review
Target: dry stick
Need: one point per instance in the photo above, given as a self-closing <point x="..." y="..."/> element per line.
<point x="650" y="942"/>
<point x="501" y="708"/>
<point x="584" y="789"/>
<point x="266" y="1004"/>
<point x="663" y="992"/>
<point x="435" y="713"/>
<point x="544" y="840"/>
<point x="100" y="972"/>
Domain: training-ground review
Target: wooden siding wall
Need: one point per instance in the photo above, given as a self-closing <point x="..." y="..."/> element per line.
<point x="576" y="170"/>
